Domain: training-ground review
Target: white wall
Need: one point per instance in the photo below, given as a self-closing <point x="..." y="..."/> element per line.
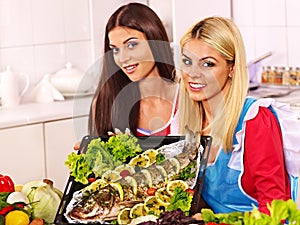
<point x="40" y="36"/>
<point x="270" y="25"/>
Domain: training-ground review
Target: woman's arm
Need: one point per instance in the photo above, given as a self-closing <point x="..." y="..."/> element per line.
<point x="265" y="177"/>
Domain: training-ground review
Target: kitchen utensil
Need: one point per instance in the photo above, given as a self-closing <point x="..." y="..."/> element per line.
<point x="45" y="92"/>
<point x="253" y="68"/>
<point x="71" y="80"/>
<point x="10" y="87"/>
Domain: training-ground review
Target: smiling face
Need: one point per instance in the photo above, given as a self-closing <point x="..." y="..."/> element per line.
<point x="132" y="53"/>
<point x="205" y="71"/>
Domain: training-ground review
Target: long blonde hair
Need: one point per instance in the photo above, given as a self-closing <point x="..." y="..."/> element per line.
<point x="225" y="37"/>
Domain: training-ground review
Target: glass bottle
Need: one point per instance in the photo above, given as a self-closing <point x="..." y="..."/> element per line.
<point x="265" y="74"/>
<point x="286" y="76"/>
<point x="298" y="75"/>
<point x="293" y="77"/>
<point x="272" y="75"/>
<point x="278" y="75"/>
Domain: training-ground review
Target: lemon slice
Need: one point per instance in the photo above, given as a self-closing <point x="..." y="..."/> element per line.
<point x="163" y="197"/>
<point x="123" y="167"/>
<point x="147" y="174"/>
<point x="140" y="160"/>
<point x="123" y="216"/>
<point x="18" y="187"/>
<point x="132" y="182"/>
<point x="176" y="183"/>
<point x="95" y="186"/>
<point x="152" y="206"/>
<point x="163" y="172"/>
<point x="175" y="164"/>
<point x="111" y="176"/>
<point x="119" y="188"/>
<point x="137" y="211"/>
<point x="151" y="153"/>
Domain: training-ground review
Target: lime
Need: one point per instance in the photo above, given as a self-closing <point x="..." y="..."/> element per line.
<point x="176" y="183"/>
<point x="163" y="197"/>
<point x="152" y="206"/>
<point x="123" y="216"/>
<point x="111" y="176"/>
<point x="151" y="153"/>
<point x="119" y="188"/>
<point x="132" y="182"/>
<point x="137" y="211"/>
<point x="140" y="160"/>
<point x="16" y="217"/>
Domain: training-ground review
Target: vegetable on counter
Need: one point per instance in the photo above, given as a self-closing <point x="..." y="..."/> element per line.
<point x="44" y="199"/>
<point x="279" y="211"/>
<point x="6" y="184"/>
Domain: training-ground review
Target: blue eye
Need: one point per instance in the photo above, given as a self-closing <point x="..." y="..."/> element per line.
<point x="131" y="44"/>
<point x="208" y="64"/>
<point x="187" y="61"/>
<point x="115" y="50"/>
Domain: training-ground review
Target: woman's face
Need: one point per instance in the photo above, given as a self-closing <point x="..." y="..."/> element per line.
<point x="131" y="52"/>
<point x="204" y="70"/>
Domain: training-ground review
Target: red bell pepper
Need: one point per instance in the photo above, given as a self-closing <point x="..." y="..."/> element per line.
<point x="6" y="184"/>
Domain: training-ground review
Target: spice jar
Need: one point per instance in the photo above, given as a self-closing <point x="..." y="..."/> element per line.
<point x="293" y="77"/>
<point x="278" y="75"/>
<point x="286" y="75"/>
<point x="265" y="74"/>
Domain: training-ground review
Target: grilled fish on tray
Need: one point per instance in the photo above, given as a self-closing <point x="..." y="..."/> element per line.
<point x="125" y="190"/>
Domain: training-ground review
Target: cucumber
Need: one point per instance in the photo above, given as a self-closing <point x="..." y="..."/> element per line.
<point x="2" y="220"/>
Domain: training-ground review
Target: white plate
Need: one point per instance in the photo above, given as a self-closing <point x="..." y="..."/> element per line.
<point x="77" y="94"/>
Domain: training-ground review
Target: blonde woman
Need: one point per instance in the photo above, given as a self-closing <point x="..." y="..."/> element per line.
<point x="249" y="163"/>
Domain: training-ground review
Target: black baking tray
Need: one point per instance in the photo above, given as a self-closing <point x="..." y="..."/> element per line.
<point x="145" y="143"/>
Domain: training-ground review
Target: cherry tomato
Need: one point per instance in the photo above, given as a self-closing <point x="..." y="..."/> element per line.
<point x="76" y="146"/>
<point x="190" y="191"/>
<point x="124" y="173"/>
<point x="91" y="179"/>
<point x="151" y="191"/>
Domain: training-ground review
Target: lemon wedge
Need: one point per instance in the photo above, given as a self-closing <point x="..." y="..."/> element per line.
<point x="137" y="211"/>
<point x="132" y="182"/>
<point x="123" y="216"/>
<point x="175" y="164"/>
<point x="140" y="160"/>
<point x="163" y="197"/>
<point x="163" y="172"/>
<point x="18" y="187"/>
<point x="176" y="183"/>
<point x="122" y="167"/>
<point x="151" y="153"/>
<point x="119" y="188"/>
<point x="153" y="206"/>
<point x="148" y="176"/>
<point x="96" y="185"/>
<point x="111" y="176"/>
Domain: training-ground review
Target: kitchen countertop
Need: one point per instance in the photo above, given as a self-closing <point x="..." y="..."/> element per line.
<point x="31" y="113"/>
<point x="289" y="95"/>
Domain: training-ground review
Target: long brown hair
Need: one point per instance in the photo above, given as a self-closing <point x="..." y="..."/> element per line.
<point x="116" y="100"/>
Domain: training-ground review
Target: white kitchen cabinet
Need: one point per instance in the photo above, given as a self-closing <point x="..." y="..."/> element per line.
<point x="60" y="136"/>
<point x="22" y="153"/>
